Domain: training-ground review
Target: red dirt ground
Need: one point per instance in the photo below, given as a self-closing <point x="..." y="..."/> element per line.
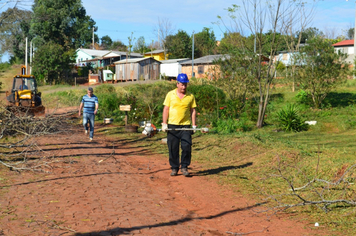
<point x="107" y="187"/>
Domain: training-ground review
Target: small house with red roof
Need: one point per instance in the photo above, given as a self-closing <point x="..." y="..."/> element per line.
<point x="346" y="46"/>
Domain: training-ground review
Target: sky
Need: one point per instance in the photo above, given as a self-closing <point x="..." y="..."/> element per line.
<point x="121" y="18"/>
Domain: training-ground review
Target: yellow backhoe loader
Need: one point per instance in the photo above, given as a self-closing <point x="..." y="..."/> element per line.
<point x="24" y="96"/>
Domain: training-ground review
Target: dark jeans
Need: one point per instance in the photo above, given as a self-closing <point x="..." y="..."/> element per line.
<point x="184" y="138"/>
<point x="87" y="117"/>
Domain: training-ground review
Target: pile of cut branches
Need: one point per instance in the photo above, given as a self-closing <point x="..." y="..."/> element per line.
<point x="18" y="132"/>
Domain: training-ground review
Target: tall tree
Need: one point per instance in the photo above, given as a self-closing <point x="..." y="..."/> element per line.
<point x="118" y="46"/>
<point x="320" y="69"/>
<point x="350" y="33"/>
<point x="106" y="42"/>
<point x="204" y="42"/>
<point x="140" y="46"/>
<point x="58" y="27"/>
<point x="63" y="22"/>
<point x="163" y="29"/>
<point x="308" y="34"/>
<point x="253" y="16"/>
<point x="14" y="27"/>
<point x="179" y="45"/>
<point x="52" y="63"/>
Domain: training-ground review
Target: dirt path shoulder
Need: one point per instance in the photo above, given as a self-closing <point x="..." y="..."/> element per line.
<point x="107" y="187"/>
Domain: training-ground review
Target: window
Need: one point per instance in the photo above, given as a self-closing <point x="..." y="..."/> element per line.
<point x="200" y="69"/>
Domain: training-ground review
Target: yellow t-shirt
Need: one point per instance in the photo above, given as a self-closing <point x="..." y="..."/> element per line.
<point x="179" y="109"/>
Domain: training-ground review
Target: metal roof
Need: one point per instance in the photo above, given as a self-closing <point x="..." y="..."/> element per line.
<point x="174" y="60"/>
<point x="155" y="52"/>
<point x="93" y="52"/>
<point x="205" y="60"/>
<point x="120" y="53"/>
<point x="134" y="60"/>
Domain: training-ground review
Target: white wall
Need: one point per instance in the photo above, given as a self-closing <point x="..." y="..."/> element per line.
<point x="171" y="69"/>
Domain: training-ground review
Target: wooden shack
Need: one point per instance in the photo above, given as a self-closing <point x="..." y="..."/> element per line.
<point x="137" y="69"/>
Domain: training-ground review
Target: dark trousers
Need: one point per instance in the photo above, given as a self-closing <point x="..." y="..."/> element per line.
<point x="182" y="138"/>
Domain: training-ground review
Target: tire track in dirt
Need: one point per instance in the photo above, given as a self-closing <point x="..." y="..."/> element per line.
<point x="129" y="192"/>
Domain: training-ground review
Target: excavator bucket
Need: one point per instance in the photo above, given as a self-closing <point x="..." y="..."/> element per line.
<point x="39" y="111"/>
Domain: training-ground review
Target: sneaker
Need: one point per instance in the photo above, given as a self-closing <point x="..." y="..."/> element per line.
<point x="185" y="172"/>
<point x="91" y="139"/>
<point x="174" y="172"/>
<point x="86" y="131"/>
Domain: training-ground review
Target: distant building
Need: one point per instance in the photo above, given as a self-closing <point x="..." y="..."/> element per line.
<point x="101" y="58"/>
<point x="203" y="66"/>
<point x="137" y="69"/>
<point x="156" y="54"/>
<point x="348" y="47"/>
<point x="83" y="56"/>
<point x="171" y="68"/>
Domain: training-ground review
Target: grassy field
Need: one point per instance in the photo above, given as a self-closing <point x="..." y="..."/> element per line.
<point x="266" y="164"/>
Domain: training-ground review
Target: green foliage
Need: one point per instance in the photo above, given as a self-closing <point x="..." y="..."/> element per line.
<point x="280" y="66"/>
<point x="140" y="46"/>
<point x="179" y="45"/>
<point x="321" y="70"/>
<point x="208" y="97"/>
<point x="118" y="46"/>
<point x="4" y="66"/>
<point x="52" y="63"/>
<point x="303" y="97"/>
<point x="204" y="43"/>
<point x="291" y="120"/>
<point x="63" y="22"/>
<point x="13" y="31"/>
<point x="234" y="76"/>
<point x="83" y="71"/>
<point x="229" y="109"/>
<point x="228" y="126"/>
<point x="106" y="42"/>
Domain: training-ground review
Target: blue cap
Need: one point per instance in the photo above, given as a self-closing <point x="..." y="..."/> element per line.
<point x="182" y="78"/>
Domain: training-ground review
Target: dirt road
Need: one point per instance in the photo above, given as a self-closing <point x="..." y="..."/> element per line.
<point x="108" y="187"/>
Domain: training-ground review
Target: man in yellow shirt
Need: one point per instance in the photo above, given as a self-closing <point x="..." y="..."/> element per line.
<point x="179" y="112"/>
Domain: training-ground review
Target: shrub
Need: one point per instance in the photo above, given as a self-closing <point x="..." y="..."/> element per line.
<point x="303" y="97"/>
<point x="207" y="97"/>
<point x="291" y="120"/>
<point x="230" y="126"/>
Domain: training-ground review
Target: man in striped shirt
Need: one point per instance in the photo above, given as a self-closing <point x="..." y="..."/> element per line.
<point x="90" y="107"/>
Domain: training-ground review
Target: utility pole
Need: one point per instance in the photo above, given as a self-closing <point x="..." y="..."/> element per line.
<point x="93" y="38"/>
<point x="193" y="56"/>
<point x="354" y="37"/>
<point x="26" y="56"/>
<point x="31" y="50"/>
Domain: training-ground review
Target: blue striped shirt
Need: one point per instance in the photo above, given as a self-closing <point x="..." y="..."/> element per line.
<point x="89" y="103"/>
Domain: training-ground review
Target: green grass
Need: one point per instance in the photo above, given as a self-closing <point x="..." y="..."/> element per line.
<point x="252" y="162"/>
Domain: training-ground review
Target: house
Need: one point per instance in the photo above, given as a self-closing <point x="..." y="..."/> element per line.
<point x="101" y="58"/>
<point x="114" y="56"/>
<point x="83" y="56"/>
<point x="156" y="54"/>
<point x="203" y="66"/>
<point x="346" y="46"/>
<point x="137" y="69"/>
<point x="171" y="68"/>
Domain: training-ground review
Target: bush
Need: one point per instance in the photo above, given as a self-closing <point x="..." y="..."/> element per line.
<point x="230" y="126"/>
<point x="303" y="97"/>
<point x="207" y="97"/>
<point x="291" y="120"/>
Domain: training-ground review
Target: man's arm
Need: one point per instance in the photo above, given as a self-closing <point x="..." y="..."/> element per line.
<point x="80" y="108"/>
<point x="96" y="108"/>
<point x="193" y="114"/>
<point x="165" y="114"/>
